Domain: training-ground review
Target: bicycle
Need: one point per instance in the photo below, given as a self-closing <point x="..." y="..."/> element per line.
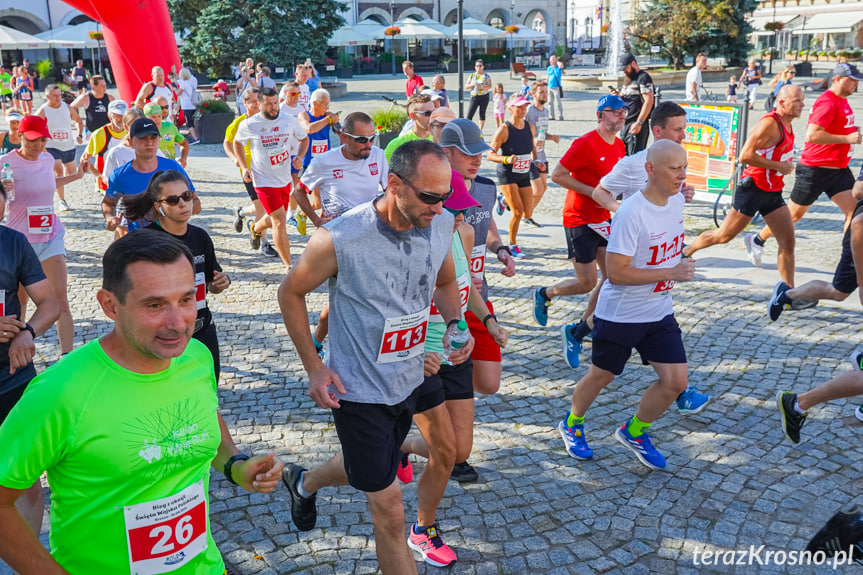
<point x="705" y="95"/>
<point x="393" y="102"/>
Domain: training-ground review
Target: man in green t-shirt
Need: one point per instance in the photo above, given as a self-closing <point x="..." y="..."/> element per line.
<point x="169" y="135"/>
<point x="127" y="429"/>
<point x="5" y="88"/>
<point x="420" y="108"/>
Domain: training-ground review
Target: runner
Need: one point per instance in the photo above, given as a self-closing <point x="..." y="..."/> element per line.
<point x="301" y="76"/>
<point x="538" y="116"/>
<point x="357" y="161"/>
<point x="823" y="167"/>
<point x="127" y="428"/>
<point x="586" y="222"/>
<point x="637" y="92"/>
<point x="169" y="135"/>
<point x="11" y="140"/>
<point x="81" y="77"/>
<point x="635" y="308"/>
<point x="768" y="154"/>
<point x="158" y="87"/>
<point x="103" y="140"/>
<point x="316" y="121"/>
<point x="794" y="408"/>
<point x="124" y="153"/>
<point x="420" y="109"/>
<point x="5" y="88"/>
<point x="276" y="141"/>
<point x="289" y="99"/>
<point x="513" y="149"/>
<point x="384" y="260"/>
<point x="439" y="118"/>
<point x="60" y="116"/>
<point x="291" y="106"/>
<point x="95" y="104"/>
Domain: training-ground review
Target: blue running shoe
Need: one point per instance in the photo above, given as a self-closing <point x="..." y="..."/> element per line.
<point x="641" y="447"/>
<point x="292" y="221"/>
<point x="691" y="401"/>
<point x="540" y="307"/>
<point x="571" y="346"/>
<point x="500" y="205"/>
<point x="573" y="438"/>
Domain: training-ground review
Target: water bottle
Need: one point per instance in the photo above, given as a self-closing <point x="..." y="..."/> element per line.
<point x="6" y="174"/>
<point x="121" y="208"/>
<point x="458" y="340"/>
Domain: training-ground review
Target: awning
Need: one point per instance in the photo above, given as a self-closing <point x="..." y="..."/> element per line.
<point x="473" y="29"/>
<point x="412" y="30"/>
<point x="11" y="39"/>
<point x="347" y="36"/>
<point x="77" y="35"/>
<point x="828" y="23"/>
<point x="760" y="22"/>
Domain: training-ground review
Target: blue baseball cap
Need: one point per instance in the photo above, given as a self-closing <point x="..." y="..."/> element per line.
<point x="610" y="101"/>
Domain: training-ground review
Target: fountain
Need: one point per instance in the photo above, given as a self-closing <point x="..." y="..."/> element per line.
<point x="614" y="47"/>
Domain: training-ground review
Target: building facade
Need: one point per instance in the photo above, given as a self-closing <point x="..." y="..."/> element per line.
<point x="808" y="25"/>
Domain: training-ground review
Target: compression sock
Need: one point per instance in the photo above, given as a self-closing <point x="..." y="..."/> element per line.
<point x="758" y="241"/>
<point x="574" y="420"/>
<point x="544" y="294"/>
<point x="636" y="428"/>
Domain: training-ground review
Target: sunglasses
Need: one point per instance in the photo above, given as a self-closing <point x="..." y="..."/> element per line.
<point x="165" y="107"/>
<point x="456" y="212"/>
<point x="425" y="113"/>
<point x="426" y="197"/>
<point x="174" y="200"/>
<point x="359" y="139"/>
<point x="293" y="93"/>
<point x="436" y="125"/>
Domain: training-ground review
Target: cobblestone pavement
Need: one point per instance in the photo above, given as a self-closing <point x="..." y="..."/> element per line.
<point x="732" y="480"/>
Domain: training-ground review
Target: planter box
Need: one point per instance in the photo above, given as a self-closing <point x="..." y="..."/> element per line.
<point x="384" y="138"/>
<point x="344" y="72"/>
<point x="211" y="127"/>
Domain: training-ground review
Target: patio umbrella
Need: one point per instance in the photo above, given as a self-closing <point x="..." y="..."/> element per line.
<point x="347" y="36"/>
<point x="412" y="30"/>
<point x="77" y="36"/>
<point x="476" y="30"/>
<point x="11" y="39"/>
<point x="525" y="34"/>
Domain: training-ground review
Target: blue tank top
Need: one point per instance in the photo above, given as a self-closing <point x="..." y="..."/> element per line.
<point x="319" y="142"/>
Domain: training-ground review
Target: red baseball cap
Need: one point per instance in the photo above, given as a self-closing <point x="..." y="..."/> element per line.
<point x="33" y="127"/>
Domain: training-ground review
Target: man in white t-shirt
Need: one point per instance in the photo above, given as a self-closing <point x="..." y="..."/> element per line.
<point x="61" y="146"/>
<point x="289" y="99"/>
<point x="644" y="261"/>
<point x="301" y="76"/>
<point x="693" y="77"/>
<point x="277" y="140"/>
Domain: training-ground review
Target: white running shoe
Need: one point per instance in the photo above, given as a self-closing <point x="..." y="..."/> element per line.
<point x="753" y="250"/>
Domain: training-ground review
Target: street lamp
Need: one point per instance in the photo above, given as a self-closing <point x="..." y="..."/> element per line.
<point x="572" y="15"/>
<point x="392" y="40"/>
<point x="511" y="21"/>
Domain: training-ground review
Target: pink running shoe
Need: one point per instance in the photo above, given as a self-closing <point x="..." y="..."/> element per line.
<point x="434" y="550"/>
<point x="405" y="472"/>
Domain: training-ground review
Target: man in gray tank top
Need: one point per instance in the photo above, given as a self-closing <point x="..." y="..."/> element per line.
<point x="384" y="261"/>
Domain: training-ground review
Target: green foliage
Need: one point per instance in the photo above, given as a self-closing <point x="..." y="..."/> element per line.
<point x="43" y="67"/>
<point x="345" y="60"/>
<point x="389" y="119"/>
<point x="559" y="51"/>
<point x="387" y="57"/>
<point x="214" y="107"/>
<point x="280" y="32"/>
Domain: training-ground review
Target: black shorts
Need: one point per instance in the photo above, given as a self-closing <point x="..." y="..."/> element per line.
<point x="208" y="335"/>
<point x="582" y="243"/>
<point x="8" y="401"/>
<point x="250" y="189"/>
<point x="845" y="276"/>
<point x="657" y="341"/>
<point x="189" y="117"/>
<point x="535" y="171"/>
<point x="751" y="200"/>
<point x="65" y="157"/>
<point x="812" y="180"/>
<point x="82" y="85"/>
<point x="431" y="393"/>
<point x="371" y="435"/>
<point x="506" y="177"/>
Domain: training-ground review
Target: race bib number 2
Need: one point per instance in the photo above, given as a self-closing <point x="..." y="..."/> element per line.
<point x="404" y="337"/>
<point x="40" y="220"/>
<point x="166" y="534"/>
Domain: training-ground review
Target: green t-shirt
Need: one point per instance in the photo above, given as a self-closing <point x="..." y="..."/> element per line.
<point x="170" y="136"/>
<point x="437" y="327"/>
<point x="391" y="147"/>
<point x="5" y="84"/>
<point x="111" y="439"/>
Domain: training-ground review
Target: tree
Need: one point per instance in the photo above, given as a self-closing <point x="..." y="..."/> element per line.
<point x="686" y="27"/>
<point x="219" y="33"/>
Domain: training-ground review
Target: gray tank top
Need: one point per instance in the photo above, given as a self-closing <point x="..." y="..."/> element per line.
<point x="485" y="192"/>
<point x="380" y="301"/>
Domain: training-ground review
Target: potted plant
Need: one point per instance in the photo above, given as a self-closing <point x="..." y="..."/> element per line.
<point x="822" y="56"/>
<point x="212" y="118"/>
<point x="388" y="123"/>
<point x="344" y="68"/>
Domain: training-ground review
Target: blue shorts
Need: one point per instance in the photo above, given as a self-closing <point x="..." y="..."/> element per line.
<point x="656" y="341"/>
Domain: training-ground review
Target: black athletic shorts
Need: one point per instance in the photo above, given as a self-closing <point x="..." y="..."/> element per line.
<point x="8" y="401"/>
<point x="250" y="189"/>
<point x="505" y="176"/>
<point x="845" y="276"/>
<point x="371" y="435"/>
<point x="535" y="171"/>
<point x="65" y="157"/>
<point x="657" y="341"/>
<point x="751" y="200"/>
<point x="812" y="180"/>
<point x="431" y="393"/>
<point x="582" y="243"/>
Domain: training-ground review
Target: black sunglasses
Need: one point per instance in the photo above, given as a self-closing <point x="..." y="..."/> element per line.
<point x="426" y="197"/>
<point x="165" y="107"/>
<point x="174" y="200"/>
<point x="359" y="139"/>
<point x="424" y="112"/>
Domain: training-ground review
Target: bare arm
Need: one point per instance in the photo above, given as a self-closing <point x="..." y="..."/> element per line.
<point x="184" y="152"/>
<point x="76" y="117"/>
<point x="622" y="272"/>
<point x="493" y="244"/>
<point x="142" y="95"/>
<point x="448" y="303"/>
<point x="604" y="198"/>
<point x="475" y="303"/>
<point x="764" y="135"/>
<point x="228" y="146"/>
<point x="19" y="546"/>
<point x="302" y="198"/>
<point x="562" y="177"/>
<point x="646" y="107"/>
<point x="83" y="167"/>
<point x="260" y="474"/>
<point x="500" y="136"/>
<point x="816" y="134"/>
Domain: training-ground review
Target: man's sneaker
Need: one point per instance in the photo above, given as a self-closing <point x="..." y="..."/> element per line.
<point x="405" y="471"/>
<point x="239" y="218"/>
<point x="792" y="421"/>
<point x="304" y="511"/>
<point x="540" y="307"/>
<point x="857" y="359"/>
<point x="254" y="237"/>
<point x="431" y="546"/>
<point x="194" y="142"/>
<point x="501" y="206"/>
<point x="292" y="221"/>
<point x="302" y="222"/>
<point x="775" y="307"/>
<point x="691" y="401"/>
<point x="64" y="206"/>
<point x="574" y="440"/>
<point x="843" y="531"/>
<point x="800" y="303"/>
<point x="858" y="413"/>
<point x="753" y="250"/>
<point x="532" y="222"/>
<point x="571" y="346"/>
<point x="641" y="447"/>
<point x="464" y="472"/>
<point x="516" y="252"/>
<point x="267" y="249"/>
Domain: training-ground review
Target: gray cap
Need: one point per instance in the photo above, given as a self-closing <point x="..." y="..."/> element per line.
<point x="465" y="136"/>
<point x="844" y="70"/>
<point x="117" y="107"/>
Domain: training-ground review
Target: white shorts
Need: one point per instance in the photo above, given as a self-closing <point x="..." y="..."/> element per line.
<point x="51" y="248"/>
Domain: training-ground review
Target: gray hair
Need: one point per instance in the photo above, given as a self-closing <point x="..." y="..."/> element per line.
<point x="319" y="95"/>
<point x="51" y="87"/>
<point x="250" y="94"/>
<point x="185" y="73"/>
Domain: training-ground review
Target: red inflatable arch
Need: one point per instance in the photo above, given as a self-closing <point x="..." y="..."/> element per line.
<point x="138" y="35"/>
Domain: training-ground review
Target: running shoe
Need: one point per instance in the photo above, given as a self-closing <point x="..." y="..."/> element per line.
<point x="843" y="531"/>
<point x="574" y="440"/>
<point x="254" y="237"/>
<point x="304" y="511"/>
<point x="571" y="346"/>
<point x="540" y="307"/>
<point x="641" y="447"/>
<point x="792" y="420"/>
<point x="775" y="307"/>
<point x="405" y="471"/>
<point x="292" y="221"/>
<point x="194" y="142"/>
<point x="691" y="401"/>
<point x="532" y="222"/>
<point x="753" y="250"/>
<point x="64" y="206"/>
<point x="516" y="252"/>
<point x="857" y="359"/>
<point x="238" y="219"/>
<point x="319" y="347"/>
<point x="301" y="223"/>
<point x="434" y="551"/>
<point x="267" y="249"/>
<point x="464" y="472"/>
<point x="800" y="303"/>
<point x="501" y="206"/>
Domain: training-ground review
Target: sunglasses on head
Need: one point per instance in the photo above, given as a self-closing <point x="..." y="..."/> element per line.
<point x="174" y="200"/>
<point x="456" y="212"/>
<point x="426" y="197"/>
<point x="425" y="113"/>
<point x="359" y="139"/>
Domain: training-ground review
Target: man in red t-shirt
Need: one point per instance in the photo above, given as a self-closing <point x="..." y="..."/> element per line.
<point x="823" y="167"/>
<point x="414" y="85"/>
<point x="586" y="223"/>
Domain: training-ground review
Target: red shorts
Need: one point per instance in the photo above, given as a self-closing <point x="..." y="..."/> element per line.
<point x="485" y="348"/>
<point x="274" y="198"/>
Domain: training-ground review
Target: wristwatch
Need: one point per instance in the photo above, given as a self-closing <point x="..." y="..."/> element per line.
<point x="29" y="328"/>
<point x="639" y="122"/>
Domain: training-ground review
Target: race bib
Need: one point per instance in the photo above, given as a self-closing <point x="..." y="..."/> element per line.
<point x="521" y="164"/>
<point x="404" y="337"/>
<point x="166" y="534"/>
<point x="60" y="136"/>
<point x="663" y="288"/>
<point x="278" y="159"/>
<point x="2" y="302"/>
<point x="463" y="295"/>
<point x="319" y="147"/>
<point x="200" y="291"/>
<point x="40" y="220"/>
<point x="603" y="229"/>
<point x="477" y="261"/>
